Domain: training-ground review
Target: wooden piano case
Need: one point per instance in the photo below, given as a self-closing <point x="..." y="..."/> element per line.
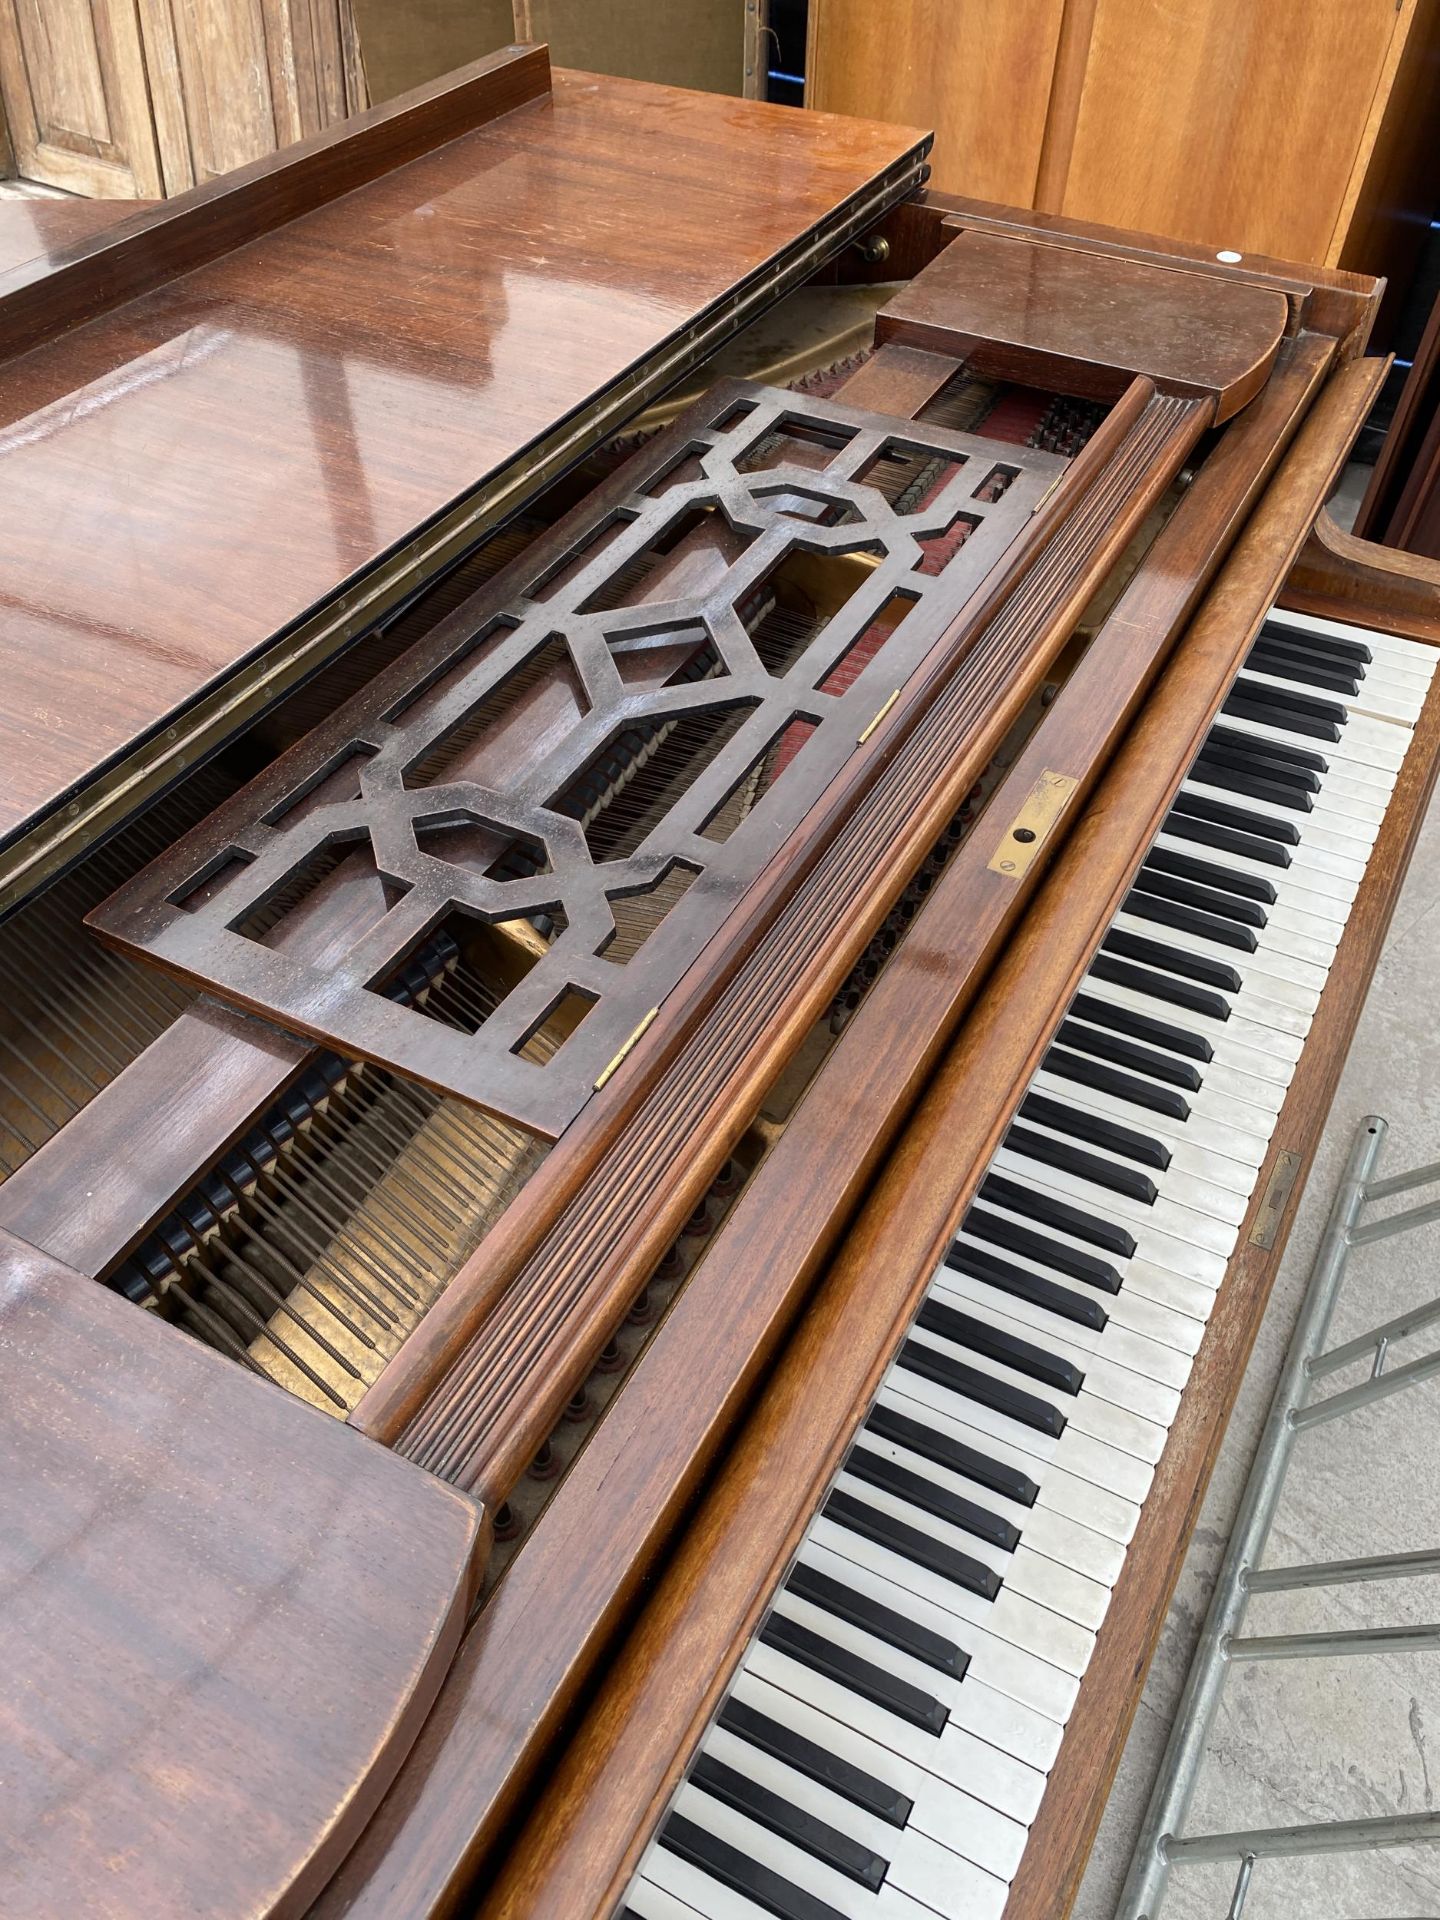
<point x="568" y="1052"/>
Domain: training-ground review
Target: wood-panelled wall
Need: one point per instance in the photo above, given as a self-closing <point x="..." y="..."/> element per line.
<point x="1302" y="131"/>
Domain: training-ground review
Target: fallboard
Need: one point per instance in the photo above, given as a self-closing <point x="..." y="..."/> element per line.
<point x="581" y="775"/>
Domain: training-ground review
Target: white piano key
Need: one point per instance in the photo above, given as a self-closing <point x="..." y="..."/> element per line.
<point x="1289" y="982"/>
<point x="1064" y="1591"/>
<point x="802" y="1869"/>
<point x="1114" y="1342"/>
<point x="1356" y="820"/>
<point x="1235" y="1042"/>
<point x="1103" y="1465"/>
<point x="938" y="1809"/>
<point x="1093" y="1507"/>
<point x="650" y="1902"/>
<point x="1246" y="1146"/>
<point x="1234" y="1083"/>
<point x="1189" y="1296"/>
<point x="1101" y="1419"/>
<point x="957" y="1756"/>
<point x="1206" y="1153"/>
<point x="1418" y="656"/>
<point x="1327" y="886"/>
<point x="979" y="1834"/>
<point x="1146" y="1394"/>
<point x="1356" y="743"/>
<point x="1196" y="1232"/>
<point x="667" y="1873"/>
<point x="987" y="1420"/>
<point x="1092" y="1554"/>
<point x="1010" y="1616"/>
<point x="1009" y="1698"/>
<point x="1181" y="1181"/>
<point x="1403" y="712"/>
<point x="1172" y="1312"/>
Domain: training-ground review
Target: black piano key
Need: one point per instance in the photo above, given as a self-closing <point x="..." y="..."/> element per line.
<point x="1001" y="1231"/>
<point x="1046" y="1111"/>
<point x="1211" y="873"/>
<point x="1160" y="986"/>
<point x="1294" y="663"/>
<point x="1201" y="807"/>
<point x="1033" y="1203"/>
<point x="970" y="1383"/>
<point x="779" y="1815"/>
<point x="1087" y="1071"/>
<point x="1262" y="749"/>
<point x="1286" y="700"/>
<point x="907" y="1636"/>
<point x="1173" y="959"/>
<point x="878" y="1470"/>
<point x="1248" y="913"/>
<point x="871" y="1523"/>
<point x="1006" y="1349"/>
<point x="1205" y="833"/>
<point x="846" y="1669"/>
<point x="1217" y="771"/>
<point x="931" y="1444"/>
<point x="1256" y="758"/>
<point x="1141" y="1026"/>
<point x="826" y="1769"/>
<point x="1242" y="705"/>
<point x="1085" y="1166"/>
<point x="768" y="1889"/>
<point x="1339" y="646"/>
<point x="1187" y="919"/>
<point x="1105" y="1044"/>
<point x="1021" y="1284"/>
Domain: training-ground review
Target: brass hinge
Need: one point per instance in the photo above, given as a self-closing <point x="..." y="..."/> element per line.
<point x="621" y="1055"/>
<point x="1029" y="830"/>
<point x="1278" y="1189"/>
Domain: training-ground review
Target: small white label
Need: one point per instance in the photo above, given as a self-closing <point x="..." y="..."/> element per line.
<point x="1229" y="259"/>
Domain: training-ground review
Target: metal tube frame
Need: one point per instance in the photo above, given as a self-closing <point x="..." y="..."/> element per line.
<point x="1162" y="1846"/>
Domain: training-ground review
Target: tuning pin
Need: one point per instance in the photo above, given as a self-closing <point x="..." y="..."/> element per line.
<point x="507" y="1522"/>
<point x="699" y="1224"/>
<point x="545" y="1465"/>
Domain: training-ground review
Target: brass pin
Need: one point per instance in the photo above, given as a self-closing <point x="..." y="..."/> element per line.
<point x="878" y="718"/>
<point x="620" y="1056"/>
<point x="1049" y="490"/>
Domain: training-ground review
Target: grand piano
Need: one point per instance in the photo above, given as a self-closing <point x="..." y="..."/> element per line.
<point x="669" y="972"/>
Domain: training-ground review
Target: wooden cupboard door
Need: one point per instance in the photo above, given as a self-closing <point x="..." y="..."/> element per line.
<point x="1225" y="123"/>
<point x="73" y="77"/>
<point x="977" y="72"/>
<point x="233" y="81"/>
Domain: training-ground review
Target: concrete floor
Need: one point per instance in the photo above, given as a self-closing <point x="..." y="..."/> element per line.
<point x="1307" y="1741"/>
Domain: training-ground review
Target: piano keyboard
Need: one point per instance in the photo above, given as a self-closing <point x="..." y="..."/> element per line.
<point x="884" y="1746"/>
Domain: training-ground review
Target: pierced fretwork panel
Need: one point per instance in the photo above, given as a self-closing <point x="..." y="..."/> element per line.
<point x="567" y="787"/>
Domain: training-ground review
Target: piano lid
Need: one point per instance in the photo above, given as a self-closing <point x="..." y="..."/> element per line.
<point x="277" y="443"/>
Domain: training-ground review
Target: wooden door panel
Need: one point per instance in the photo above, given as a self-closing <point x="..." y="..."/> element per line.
<point x="223" y="110"/>
<point x="979" y="74"/>
<point x="1227" y="124"/>
<point x="76" y="97"/>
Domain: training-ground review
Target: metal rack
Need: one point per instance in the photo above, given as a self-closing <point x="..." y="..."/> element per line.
<point x="1163" y="1846"/>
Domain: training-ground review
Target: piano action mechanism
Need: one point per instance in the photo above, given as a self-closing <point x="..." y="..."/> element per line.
<point x="651" y="1090"/>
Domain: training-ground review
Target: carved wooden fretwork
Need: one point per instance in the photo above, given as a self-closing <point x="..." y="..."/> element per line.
<point x="574" y="779"/>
